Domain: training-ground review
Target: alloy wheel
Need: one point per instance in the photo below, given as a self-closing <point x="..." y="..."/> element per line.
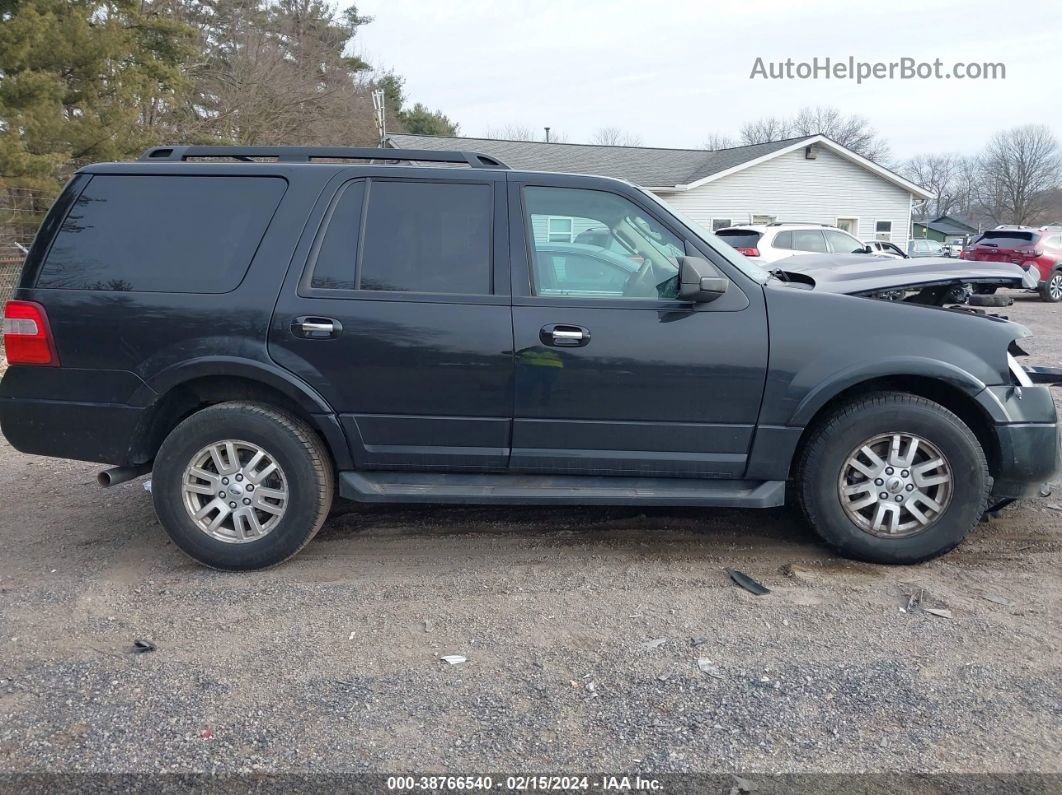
<point x="895" y="485"/>
<point x="234" y="491"/>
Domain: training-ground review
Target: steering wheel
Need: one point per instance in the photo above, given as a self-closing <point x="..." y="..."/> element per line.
<point x="642" y="283"/>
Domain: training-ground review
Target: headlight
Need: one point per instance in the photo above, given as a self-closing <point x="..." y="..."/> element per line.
<point x="1020" y="376"/>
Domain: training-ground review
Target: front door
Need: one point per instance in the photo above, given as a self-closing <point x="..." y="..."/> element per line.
<point x="401" y="319"/>
<point x="614" y="376"/>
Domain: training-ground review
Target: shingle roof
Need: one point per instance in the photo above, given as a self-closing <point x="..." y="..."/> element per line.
<point x="945" y="228"/>
<point x="642" y="165"/>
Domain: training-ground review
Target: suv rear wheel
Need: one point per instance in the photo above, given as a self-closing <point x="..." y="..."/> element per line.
<point x="893" y="478"/>
<point x="242" y="486"/>
<point x="1051" y="290"/>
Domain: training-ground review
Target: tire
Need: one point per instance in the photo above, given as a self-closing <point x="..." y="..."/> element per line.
<point x="1051" y="290"/>
<point x="990" y="300"/>
<point x="249" y="537"/>
<point x="823" y="471"/>
<point x="956" y="295"/>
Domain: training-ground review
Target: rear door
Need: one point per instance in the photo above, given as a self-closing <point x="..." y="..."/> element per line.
<point x="616" y="376"/>
<point x="401" y="317"/>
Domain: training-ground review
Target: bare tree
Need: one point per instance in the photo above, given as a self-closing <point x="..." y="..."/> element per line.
<point x="853" y="132"/>
<point x="1020" y="168"/>
<point x="614" y="136"/>
<point x="765" y="130"/>
<point x="522" y="132"/>
<point x="940" y="174"/>
<point x="717" y="140"/>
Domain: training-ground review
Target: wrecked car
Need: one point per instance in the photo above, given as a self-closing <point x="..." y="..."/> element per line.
<point x="935" y="281"/>
<point x="266" y="328"/>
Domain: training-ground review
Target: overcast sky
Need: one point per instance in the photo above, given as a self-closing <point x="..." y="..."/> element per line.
<point x="673" y="72"/>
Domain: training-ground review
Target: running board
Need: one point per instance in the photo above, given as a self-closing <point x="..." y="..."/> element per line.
<point x="503" y="489"/>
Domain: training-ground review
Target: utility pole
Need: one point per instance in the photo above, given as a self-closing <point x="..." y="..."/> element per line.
<point x="547" y="134"/>
<point x="378" y="111"/>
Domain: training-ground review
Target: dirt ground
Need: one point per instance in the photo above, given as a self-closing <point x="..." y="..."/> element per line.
<point x="331" y="662"/>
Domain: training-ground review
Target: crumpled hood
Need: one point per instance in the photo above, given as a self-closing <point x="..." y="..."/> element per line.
<point x="855" y="274"/>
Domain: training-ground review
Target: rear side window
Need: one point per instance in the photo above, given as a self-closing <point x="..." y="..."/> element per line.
<point x="427" y="238"/>
<point x="334" y="268"/>
<point x="783" y="240"/>
<point x="162" y="233"/>
<point x="739" y="238"/>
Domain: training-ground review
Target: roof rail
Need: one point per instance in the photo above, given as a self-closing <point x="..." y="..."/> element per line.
<point x="307" y="154"/>
<point x="797" y="223"/>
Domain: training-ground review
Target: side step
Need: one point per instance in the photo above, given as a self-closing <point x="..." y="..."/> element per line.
<point x="504" y="489"/>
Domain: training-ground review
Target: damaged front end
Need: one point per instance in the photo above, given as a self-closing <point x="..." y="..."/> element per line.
<point x="930" y="281"/>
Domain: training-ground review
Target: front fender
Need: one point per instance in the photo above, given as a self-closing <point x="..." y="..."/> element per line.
<point x="835" y="383"/>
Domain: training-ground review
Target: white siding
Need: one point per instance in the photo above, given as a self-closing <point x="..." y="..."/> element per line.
<point x="793" y="188"/>
<point x="538" y="226"/>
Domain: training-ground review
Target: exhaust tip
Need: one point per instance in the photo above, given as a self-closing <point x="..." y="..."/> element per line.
<point x="104" y="478"/>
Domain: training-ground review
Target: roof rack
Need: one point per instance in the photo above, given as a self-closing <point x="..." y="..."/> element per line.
<point x="307" y="154"/>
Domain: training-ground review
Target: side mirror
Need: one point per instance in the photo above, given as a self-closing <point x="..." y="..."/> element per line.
<point x="699" y="281"/>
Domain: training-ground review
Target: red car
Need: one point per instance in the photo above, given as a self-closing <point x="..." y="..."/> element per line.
<point x="1027" y="247"/>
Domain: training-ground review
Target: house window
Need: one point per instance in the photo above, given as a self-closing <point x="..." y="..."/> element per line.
<point x="849" y="225"/>
<point x="883" y="230"/>
<point x="764" y="219"/>
<point x="559" y="230"/>
<point x="721" y="223"/>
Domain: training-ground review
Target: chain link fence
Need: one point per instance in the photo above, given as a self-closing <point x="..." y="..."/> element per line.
<point x="10" y="268"/>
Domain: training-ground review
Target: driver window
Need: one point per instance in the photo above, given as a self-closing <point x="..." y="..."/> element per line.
<point x="594" y="244"/>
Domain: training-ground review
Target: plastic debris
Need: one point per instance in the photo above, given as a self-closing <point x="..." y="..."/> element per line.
<point x="143" y="646"/>
<point x="654" y="644"/>
<point x="938" y="611"/>
<point x="698" y="641"/>
<point x="453" y="659"/>
<point x="999" y="600"/>
<point x="746" y="582"/>
<point x="147" y="485"/>
<point x="709" y="668"/>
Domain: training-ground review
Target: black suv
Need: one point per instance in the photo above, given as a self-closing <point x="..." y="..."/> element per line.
<point x="263" y="328"/>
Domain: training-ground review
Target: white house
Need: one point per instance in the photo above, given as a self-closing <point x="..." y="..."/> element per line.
<point x="810" y="179"/>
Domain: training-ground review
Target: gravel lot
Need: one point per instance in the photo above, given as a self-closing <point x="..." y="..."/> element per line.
<point x="331" y="661"/>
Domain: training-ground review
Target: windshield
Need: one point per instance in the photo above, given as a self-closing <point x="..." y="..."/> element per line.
<point x="724" y="249"/>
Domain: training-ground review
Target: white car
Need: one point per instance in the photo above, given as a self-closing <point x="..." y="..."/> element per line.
<point x="883" y="248"/>
<point x="771" y="242"/>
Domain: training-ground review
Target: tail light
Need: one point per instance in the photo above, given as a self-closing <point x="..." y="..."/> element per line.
<point x="1029" y="253"/>
<point x="962" y="255"/>
<point x="27" y="335"/>
<point x="748" y="252"/>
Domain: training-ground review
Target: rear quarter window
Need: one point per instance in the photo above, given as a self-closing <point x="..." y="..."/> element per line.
<point x="179" y="234"/>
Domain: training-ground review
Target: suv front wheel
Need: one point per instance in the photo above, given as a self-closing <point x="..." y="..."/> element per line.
<point x="893" y="478"/>
<point x="242" y="486"/>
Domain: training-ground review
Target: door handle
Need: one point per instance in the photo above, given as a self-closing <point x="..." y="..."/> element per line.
<point x="316" y="328"/>
<point x="564" y="336"/>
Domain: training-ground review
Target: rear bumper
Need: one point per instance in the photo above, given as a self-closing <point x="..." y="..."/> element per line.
<point x="99" y="432"/>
